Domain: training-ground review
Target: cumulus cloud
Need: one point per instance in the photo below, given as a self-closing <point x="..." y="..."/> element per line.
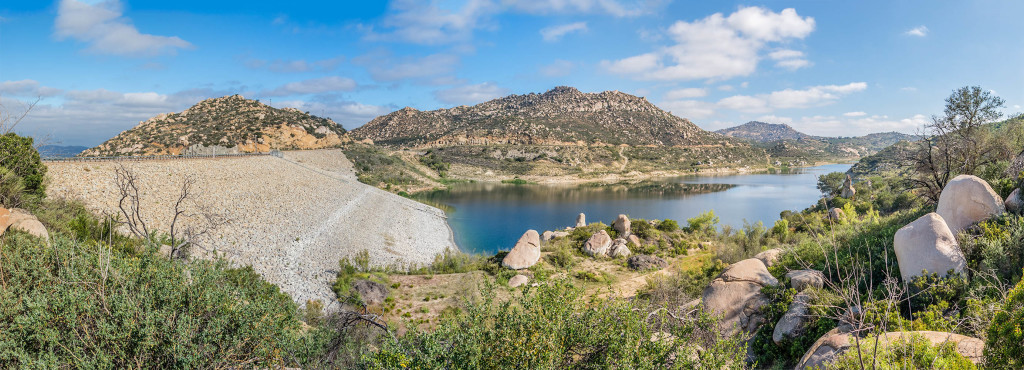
<point x="919" y="31"/>
<point x="717" y="47"/>
<point x="689" y="109"/>
<point x="789" y="59"/>
<point x="470" y="94"/>
<point x="558" y="68"/>
<point x="853" y="126"/>
<point x="610" y="7"/>
<point x="555" y="33"/>
<point x="313" y="86"/>
<point x="813" y="96"/>
<point x="692" y="92"/>
<point x="29" y="88"/>
<point x="383" y="67"/>
<point x="349" y="114"/>
<point x="296" y="66"/>
<point x="104" y="28"/>
<point x="855" y="114"/>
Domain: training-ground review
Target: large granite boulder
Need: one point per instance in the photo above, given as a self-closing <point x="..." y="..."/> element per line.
<point x="5" y="220"/>
<point x="835" y="214"/>
<point x="619" y="249"/>
<point x="1013" y="201"/>
<point x="800" y="280"/>
<point x="643" y="262"/>
<point x="736" y="296"/>
<point x="526" y="253"/>
<point x="547" y="235"/>
<point x="22" y="220"/>
<point x="598" y="244"/>
<point x="848" y="191"/>
<point x="632" y="238"/>
<point x="927" y="244"/>
<point x="793" y="322"/>
<point x="622" y="225"/>
<point x="769" y="257"/>
<point x="581" y="220"/>
<point x="833" y="344"/>
<point x="966" y="200"/>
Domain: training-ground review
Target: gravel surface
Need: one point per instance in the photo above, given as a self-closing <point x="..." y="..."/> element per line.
<point x="292" y="219"/>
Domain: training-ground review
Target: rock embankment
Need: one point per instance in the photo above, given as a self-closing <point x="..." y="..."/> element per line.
<point x="292" y="219"/>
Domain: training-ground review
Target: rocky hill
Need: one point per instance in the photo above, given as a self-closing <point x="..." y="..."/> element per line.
<point x="560" y="116"/>
<point x="763" y="132"/>
<point x="232" y="122"/>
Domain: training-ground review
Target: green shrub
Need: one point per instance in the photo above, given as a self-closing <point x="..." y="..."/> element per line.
<point x="556" y="326"/>
<point x="908" y="352"/>
<point x="19" y="156"/>
<point x="1004" y="346"/>
<point x="668" y="226"/>
<point x="704" y="223"/>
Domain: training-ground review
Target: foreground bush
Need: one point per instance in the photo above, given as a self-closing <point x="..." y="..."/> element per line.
<point x="915" y="352"/>
<point x="84" y="304"/>
<point x="1004" y="347"/>
<point x="555" y="326"/>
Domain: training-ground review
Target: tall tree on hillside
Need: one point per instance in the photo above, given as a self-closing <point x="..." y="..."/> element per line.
<point x="957" y="143"/>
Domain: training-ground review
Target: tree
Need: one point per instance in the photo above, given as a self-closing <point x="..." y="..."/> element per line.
<point x="958" y="143"/>
<point x="19" y="156"/>
<point x="831" y="184"/>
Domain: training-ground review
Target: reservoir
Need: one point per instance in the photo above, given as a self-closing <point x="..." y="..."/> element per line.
<point x="487" y="217"/>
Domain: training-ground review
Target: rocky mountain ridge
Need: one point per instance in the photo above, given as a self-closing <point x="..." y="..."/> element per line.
<point x="560" y="116"/>
<point x="231" y="121"/>
<point x="764" y="132"/>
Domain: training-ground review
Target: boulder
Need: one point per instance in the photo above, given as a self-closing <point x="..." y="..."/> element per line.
<point x="644" y="262"/>
<point x="769" y="257"/>
<point x="633" y="239"/>
<point x="848" y="190"/>
<point x="581" y="220"/>
<point x="547" y="235"/>
<point x="793" y="322"/>
<point x="526" y="253"/>
<point x="1013" y="201"/>
<point x="927" y="244"/>
<point x="598" y="244"/>
<point x="559" y="234"/>
<point x="833" y="344"/>
<point x="371" y="292"/>
<point x="803" y="279"/>
<point x="835" y="214"/>
<point x="622" y="225"/>
<point x="5" y="219"/>
<point x="619" y="249"/>
<point x="736" y="295"/>
<point x="966" y="200"/>
<point x="21" y="220"/>
<point x="517" y="280"/>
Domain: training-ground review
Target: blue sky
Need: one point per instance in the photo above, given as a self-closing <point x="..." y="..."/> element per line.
<point x="825" y="67"/>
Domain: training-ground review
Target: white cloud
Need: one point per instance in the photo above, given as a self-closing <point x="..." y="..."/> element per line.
<point x="726" y="88"/>
<point x="745" y="103"/>
<point x="909" y="89"/>
<point x="855" y="114"/>
<point x="349" y="114"/>
<point x="434" y="22"/>
<point x="812" y="96"/>
<point x="854" y="126"/>
<point x="29" y="88"/>
<point x="384" y="67"/>
<point x="716" y="47"/>
<point x="296" y="66"/>
<point x="789" y="59"/>
<point x="558" y="68"/>
<point x="107" y="31"/>
<point x="692" y="92"/>
<point x="313" y="86"/>
<point x="555" y="33"/>
<point x="470" y="94"/>
<point x="919" y="31"/>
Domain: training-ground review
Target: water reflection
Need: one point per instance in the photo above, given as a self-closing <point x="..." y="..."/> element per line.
<point x="486" y="217"/>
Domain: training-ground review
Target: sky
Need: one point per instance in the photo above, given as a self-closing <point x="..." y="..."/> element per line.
<point x="835" y="68"/>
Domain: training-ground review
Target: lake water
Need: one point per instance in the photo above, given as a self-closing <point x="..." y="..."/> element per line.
<point x="487" y="217"/>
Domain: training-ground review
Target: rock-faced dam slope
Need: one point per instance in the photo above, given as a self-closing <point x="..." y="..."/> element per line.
<point x="291" y="218"/>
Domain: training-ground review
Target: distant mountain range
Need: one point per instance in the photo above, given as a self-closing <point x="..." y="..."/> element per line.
<point x="781" y="140"/>
<point x="560" y="116"/>
<point x="231" y="122"/>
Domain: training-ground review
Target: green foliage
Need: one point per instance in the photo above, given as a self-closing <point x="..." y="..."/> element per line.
<point x="12" y="189"/>
<point x="430" y="159"/>
<point x="781" y="229"/>
<point x="516" y="181"/>
<point x="556" y="326"/>
<point x="563" y="257"/>
<point x="19" y="157"/>
<point x="789" y="351"/>
<point x="906" y="352"/>
<point x="376" y="167"/>
<point x="643" y="229"/>
<point x="1000" y="249"/>
<point x="452" y="262"/>
<point x="352" y="270"/>
<point x="831" y="184"/>
<point x="704" y="223"/>
<point x="668" y="225"/>
<point x="84" y="304"/>
<point x="1004" y="346"/>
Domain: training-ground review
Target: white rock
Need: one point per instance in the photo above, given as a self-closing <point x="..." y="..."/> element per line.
<point x="517" y="280"/>
<point x="598" y="244"/>
<point x="927" y="244"/>
<point x="581" y="220"/>
<point x="966" y="200"/>
<point x="1013" y="201"/>
<point x="526" y="253"/>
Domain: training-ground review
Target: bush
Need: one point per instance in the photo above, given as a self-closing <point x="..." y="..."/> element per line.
<point x="704" y="223"/>
<point x="1004" y="346"/>
<point x="668" y="226"/>
<point x="19" y="157"/>
<point x="554" y="326"/>
<point x="908" y="352"/>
